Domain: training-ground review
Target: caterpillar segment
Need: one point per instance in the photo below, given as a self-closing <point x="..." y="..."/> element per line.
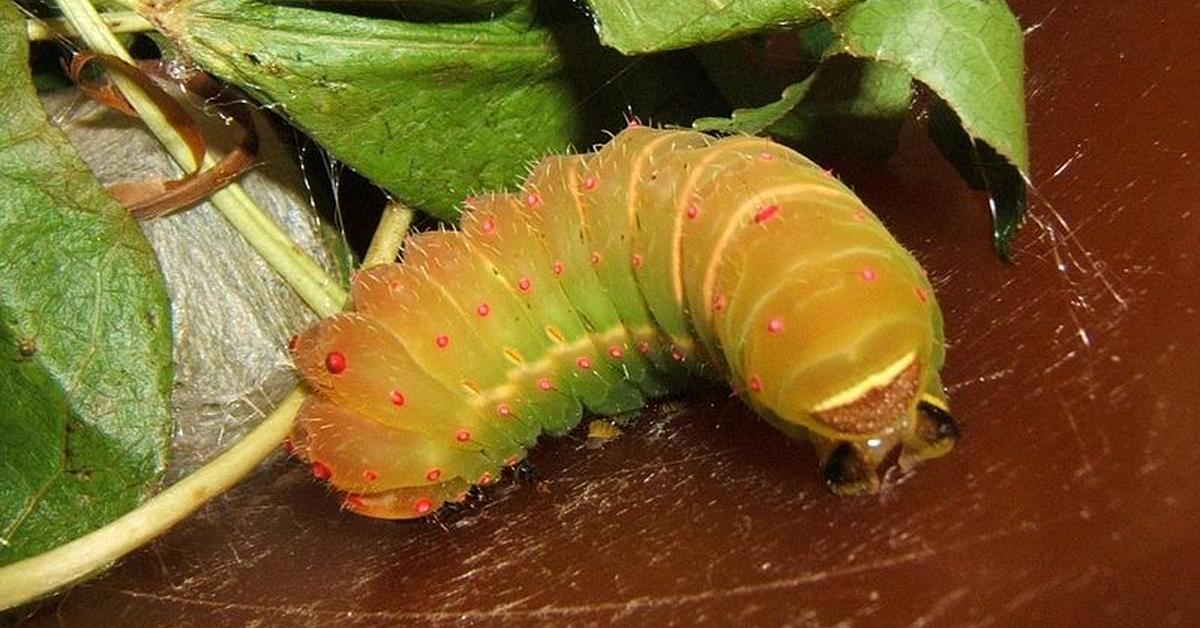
<point x="616" y="277"/>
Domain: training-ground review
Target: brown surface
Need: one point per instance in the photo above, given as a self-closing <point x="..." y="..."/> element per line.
<point x="1069" y="501"/>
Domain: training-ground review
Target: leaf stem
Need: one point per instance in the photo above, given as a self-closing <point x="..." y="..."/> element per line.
<point x="389" y="235"/>
<point x="316" y="287"/>
<point x="43" y="29"/>
<point x="37" y="576"/>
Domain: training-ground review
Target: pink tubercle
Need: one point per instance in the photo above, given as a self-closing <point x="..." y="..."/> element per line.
<point x="590" y="183"/>
<point x="615" y="352"/>
<point x="293" y="341"/>
<point x="859" y="216"/>
<point x="370" y="475"/>
<point x="922" y="295"/>
<point x="289" y="446"/>
<point x="423" y="505"/>
<point x="692" y="211"/>
<point x="583" y="363"/>
<point x="512" y="460"/>
<point x="354" y="502"/>
<point x="533" y="199"/>
<point x="637" y="260"/>
<point x="676" y="355"/>
<point x="596" y="258"/>
<point x="765" y="156"/>
<point x="765" y="213"/>
<point x="868" y="274"/>
<point x="559" y="268"/>
<point x="719" y="302"/>
<point x="433" y="475"/>
<point x="398" y="399"/>
<point x="489" y="226"/>
<point x="483" y="310"/>
<point x="644" y="347"/>
<point x="775" y="325"/>
<point x="755" y="383"/>
<point x="486" y="479"/>
<point x="462" y="435"/>
<point x="504" y="409"/>
<point x="525" y="284"/>
<point x="335" y="362"/>
<point x="442" y="341"/>
<point x="545" y="384"/>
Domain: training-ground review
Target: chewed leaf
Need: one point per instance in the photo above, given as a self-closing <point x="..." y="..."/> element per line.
<point x="85" y="334"/>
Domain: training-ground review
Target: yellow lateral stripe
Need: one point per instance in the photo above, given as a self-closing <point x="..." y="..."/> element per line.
<point x="875" y="380"/>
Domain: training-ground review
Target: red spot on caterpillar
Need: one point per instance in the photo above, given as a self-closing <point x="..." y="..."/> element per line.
<point x="462" y="436"/>
<point x="765" y="213"/>
<point x="354" y="502"/>
<point x="485" y="479"/>
<point x="470" y="202"/>
<point x="397" y="398"/>
<point x="829" y="173"/>
<point x="922" y="295"/>
<point x="634" y="123"/>
<point x="370" y="475"/>
<point x="692" y="211"/>
<point x="559" y="268"/>
<point x="545" y="384"/>
<point x="676" y="355"/>
<point x="484" y="309"/>
<point x="335" y="362"/>
<point x="511" y="461"/>
<point x="755" y="383"/>
<point x="644" y="347"/>
<point x="615" y="351"/>
<point x="765" y="156"/>
<point x="859" y="216"/>
<point x="775" y="325"/>
<point x="433" y="475"/>
<point x="719" y="302"/>
<point x="868" y="274"/>
<point x="524" y="284"/>
<point x="533" y="200"/>
<point x="583" y="363"/>
<point x="590" y="183"/>
<point x="596" y="258"/>
<point x="489" y="225"/>
<point x="442" y="341"/>
<point x="293" y="341"/>
<point x="637" y="260"/>
<point x="423" y="505"/>
<point x="289" y="446"/>
<point x="504" y="409"/>
<point x="320" y="471"/>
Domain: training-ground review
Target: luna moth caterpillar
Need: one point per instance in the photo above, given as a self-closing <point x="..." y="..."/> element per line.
<point x="617" y="277"/>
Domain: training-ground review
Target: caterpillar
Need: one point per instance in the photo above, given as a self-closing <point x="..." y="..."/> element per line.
<point x="616" y="277"/>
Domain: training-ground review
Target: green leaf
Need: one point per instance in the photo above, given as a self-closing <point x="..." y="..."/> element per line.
<point x="642" y="26"/>
<point x="430" y="110"/>
<point x="970" y="53"/>
<point x="85" y="336"/>
<point x="846" y="105"/>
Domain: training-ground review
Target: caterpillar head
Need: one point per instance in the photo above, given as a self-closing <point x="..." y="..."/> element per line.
<point x="895" y="415"/>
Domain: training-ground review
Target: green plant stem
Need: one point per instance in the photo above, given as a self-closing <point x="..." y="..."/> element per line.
<point x="40" y="575"/>
<point x="389" y="235"/>
<point x="42" y="29"/>
<point x="309" y="280"/>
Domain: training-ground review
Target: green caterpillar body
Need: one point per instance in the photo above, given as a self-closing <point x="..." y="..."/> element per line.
<point x="617" y="277"/>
